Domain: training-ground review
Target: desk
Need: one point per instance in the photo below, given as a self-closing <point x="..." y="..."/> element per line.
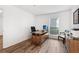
<point x="73" y="45"/>
<point x="38" y="37"/>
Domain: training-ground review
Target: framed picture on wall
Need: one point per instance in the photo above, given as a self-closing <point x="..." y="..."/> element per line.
<point x="76" y="17"/>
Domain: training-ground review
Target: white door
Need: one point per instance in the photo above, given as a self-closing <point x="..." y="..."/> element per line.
<point x="54" y="27"/>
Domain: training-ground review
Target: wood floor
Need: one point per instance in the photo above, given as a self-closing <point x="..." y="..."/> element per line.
<point x="49" y="46"/>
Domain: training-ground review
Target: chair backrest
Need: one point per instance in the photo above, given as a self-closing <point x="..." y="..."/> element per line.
<point x="33" y="29"/>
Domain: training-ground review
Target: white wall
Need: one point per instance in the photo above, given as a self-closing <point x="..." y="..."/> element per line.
<point x="1" y="22"/>
<point x="41" y="20"/>
<point x="16" y="25"/>
<point x="64" y="19"/>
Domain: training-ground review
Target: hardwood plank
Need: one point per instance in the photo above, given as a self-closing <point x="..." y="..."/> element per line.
<point x="27" y="47"/>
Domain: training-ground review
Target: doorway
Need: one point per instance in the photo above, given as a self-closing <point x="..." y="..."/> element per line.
<point x="54" y="27"/>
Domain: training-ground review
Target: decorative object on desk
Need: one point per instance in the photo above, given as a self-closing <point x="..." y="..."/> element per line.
<point x="68" y="34"/>
<point x="71" y="35"/>
<point x="45" y="27"/>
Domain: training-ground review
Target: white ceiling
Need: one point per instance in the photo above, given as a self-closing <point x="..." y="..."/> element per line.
<point x="43" y="9"/>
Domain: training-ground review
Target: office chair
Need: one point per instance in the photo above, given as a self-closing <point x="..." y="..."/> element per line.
<point x="33" y="29"/>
